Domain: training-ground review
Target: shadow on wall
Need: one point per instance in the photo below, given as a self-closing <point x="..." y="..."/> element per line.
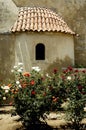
<point x="59" y="64"/>
<point x="7" y="57"/>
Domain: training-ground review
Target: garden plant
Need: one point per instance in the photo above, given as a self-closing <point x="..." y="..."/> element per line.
<point x="76" y="92"/>
<point x="35" y="94"/>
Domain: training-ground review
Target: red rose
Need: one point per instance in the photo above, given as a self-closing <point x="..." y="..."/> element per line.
<point x="24" y="85"/>
<point x="65" y="71"/>
<point x="70" y="68"/>
<point x="55" y="99"/>
<point x="33" y="92"/>
<point x="76" y="71"/>
<point x="32" y="82"/>
<point x="83" y="71"/>
<point x="27" y="74"/>
<point x="55" y="71"/>
<point x="80" y="88"/>
<point x="83" y="93"/>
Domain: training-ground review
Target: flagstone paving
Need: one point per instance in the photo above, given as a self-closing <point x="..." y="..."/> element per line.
<point x="8" y="122"/>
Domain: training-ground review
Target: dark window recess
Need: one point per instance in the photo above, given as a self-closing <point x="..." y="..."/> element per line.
<point x="40" y="52"/>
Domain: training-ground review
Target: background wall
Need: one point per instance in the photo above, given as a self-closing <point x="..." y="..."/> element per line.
<point x="72" y="11"/>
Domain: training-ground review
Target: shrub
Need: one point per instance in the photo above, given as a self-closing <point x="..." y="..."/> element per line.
<point x="76" y="91"/>
<point x="35" y="94"/>
<point x="4" y="94"/>
<point x="32" y="97"/>
<point x="57" y="89"/>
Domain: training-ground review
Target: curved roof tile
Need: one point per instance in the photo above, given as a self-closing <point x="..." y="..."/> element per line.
<point x="39" y="19"/>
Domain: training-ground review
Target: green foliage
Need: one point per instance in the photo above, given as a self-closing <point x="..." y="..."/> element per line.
<point x="35" y="94"/>
<point x="32" y="98"/>
<point x="1" y="95"/>
<point x="76" y="91"/>
<point x="57" y="89"/>
<point x="79" y="66"/>
<point x="4" y="94"/>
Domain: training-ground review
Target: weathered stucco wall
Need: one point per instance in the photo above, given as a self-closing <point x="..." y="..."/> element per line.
<point x="73" y="12"/>
<point x="8" y="14"/>
<point x="59" y="48"/>
<point x="7" y="56"/>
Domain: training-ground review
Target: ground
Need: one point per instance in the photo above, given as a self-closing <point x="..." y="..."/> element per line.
<point x="8" y="122"/>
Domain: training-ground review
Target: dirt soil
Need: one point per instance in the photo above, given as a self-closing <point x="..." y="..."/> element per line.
<point x="9" y="122"/>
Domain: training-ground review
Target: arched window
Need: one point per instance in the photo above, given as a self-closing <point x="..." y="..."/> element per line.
<point x="40" y="51"/>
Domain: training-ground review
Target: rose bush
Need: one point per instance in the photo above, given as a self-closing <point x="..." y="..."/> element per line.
<point x="32" y="96"/>
<point x="57" y="89"/>
<point x="35" y="94"/>
<point x="75" y="82"/>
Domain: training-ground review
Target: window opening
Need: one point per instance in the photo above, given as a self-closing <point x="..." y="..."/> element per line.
<point x="40" y="51"/>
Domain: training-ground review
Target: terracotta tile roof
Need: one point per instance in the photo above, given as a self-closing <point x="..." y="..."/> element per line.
<point x="39" y="19"/>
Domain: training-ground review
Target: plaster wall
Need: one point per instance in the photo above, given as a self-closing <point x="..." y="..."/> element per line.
<point x="8" y="15"/>
<point x="58" y="47"/>
<point x="7" y="56"/>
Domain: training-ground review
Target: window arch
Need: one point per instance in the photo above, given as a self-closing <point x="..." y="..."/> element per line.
<point x="40" y="51"/>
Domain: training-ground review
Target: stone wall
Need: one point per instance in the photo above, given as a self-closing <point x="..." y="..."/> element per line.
<point x="73" y="12"/>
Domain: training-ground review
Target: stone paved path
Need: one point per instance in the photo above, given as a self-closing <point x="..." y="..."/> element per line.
<point x="8" y="122"/>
